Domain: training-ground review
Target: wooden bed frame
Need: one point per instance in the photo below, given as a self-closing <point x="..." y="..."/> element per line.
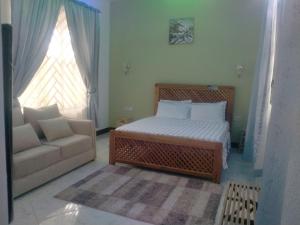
<point x="173" y="154"/>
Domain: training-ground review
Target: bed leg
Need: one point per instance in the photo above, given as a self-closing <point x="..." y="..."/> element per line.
<point x="111" y="160"/>
<point x="217" y="179"/>
<point x="217" y="165"/>
<point x="112" y="148"/>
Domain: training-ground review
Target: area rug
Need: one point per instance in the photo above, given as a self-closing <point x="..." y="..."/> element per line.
<point x="148" y="196"/>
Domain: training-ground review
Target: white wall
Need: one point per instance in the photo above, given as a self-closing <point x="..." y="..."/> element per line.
<point x="3" y="178"/>
<point x="104" y="7"/>
<point x="279" y="202"/>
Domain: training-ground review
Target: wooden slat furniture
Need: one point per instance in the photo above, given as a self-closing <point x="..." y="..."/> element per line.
<point x="239" y="205"/>
<point x="175" y="154"/>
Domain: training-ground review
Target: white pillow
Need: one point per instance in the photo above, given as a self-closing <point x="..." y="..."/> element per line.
<point x="17" y="117"/>
<point x="24" y="137"/>
<point x="209" y="111"/>
<point x="55" y="128"/>
<point x="171" y="110"/>
<point x="33" y="115"/>
<point x="176" y="102"/>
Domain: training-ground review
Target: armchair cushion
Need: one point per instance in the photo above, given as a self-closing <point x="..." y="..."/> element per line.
<point x="33" y="115"/>
<point x="73" y="145"/>
<point x="17" y="117"/>
<point x="35" y="159"/>
<point x="24" y="137"/>
<point x="55" y="128"/>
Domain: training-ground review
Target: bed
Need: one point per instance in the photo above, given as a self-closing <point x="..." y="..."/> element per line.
<point x="185" y="152"/>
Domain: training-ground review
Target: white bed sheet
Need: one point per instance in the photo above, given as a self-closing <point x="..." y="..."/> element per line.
<point x="198" y="130"/>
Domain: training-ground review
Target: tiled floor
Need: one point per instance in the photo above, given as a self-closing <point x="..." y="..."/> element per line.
<point x="38" y="207"/>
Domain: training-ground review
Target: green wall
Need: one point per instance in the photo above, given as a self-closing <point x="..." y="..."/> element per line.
<point x="227" y="33"/>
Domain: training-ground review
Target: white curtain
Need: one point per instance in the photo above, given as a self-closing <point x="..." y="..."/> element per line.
<point x="33" y="24"/>
<point x="58" y="79"/>
<point x="84" y="27"/>
<point x="260" y="107"/>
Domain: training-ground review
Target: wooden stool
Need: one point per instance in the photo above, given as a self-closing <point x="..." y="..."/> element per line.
<point x="239" y="205"/>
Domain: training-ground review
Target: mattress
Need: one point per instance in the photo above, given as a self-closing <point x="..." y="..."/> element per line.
<point x="199" y="130"/>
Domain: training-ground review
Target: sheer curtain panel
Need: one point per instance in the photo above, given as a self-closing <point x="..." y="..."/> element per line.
<point x="260" y="107"/>
<point x="33" y="24"/>
<point x="84" y="27"/>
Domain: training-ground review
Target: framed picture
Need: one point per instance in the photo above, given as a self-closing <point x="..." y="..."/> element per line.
<point x="181" y="31"/>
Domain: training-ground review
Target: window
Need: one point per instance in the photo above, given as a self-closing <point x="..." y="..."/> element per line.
<point x="58" y="80"/>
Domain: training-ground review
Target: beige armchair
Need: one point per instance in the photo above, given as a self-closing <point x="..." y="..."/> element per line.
<point x="48" y="160"/>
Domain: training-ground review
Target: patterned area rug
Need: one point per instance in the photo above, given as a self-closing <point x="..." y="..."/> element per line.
<point x="148" y="196"/>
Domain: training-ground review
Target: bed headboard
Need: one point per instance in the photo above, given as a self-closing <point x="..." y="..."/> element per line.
<point x="197" y="93"/>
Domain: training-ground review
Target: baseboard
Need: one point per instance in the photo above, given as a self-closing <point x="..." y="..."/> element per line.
<point x="104" y="131"/>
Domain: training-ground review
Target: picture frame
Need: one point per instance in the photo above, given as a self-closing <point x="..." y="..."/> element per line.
<point x="181" y="31"/>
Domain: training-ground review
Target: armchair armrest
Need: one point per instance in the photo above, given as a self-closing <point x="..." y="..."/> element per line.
<point x="84" y="127"/>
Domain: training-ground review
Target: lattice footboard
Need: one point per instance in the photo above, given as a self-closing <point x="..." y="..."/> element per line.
<point x="180" y="155"/>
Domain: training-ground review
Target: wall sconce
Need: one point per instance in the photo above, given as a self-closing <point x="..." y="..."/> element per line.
<point x="240" y="69"/>
<point x="126" y="68"/>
